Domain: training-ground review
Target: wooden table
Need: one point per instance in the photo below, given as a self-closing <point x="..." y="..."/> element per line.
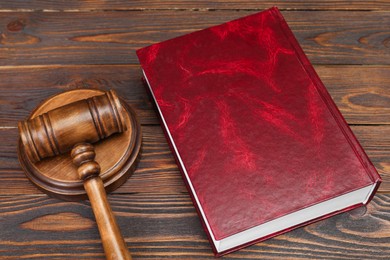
<point x="48" y="47"/>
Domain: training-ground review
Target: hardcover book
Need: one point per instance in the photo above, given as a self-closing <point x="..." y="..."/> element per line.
<point x="260" y="143"/>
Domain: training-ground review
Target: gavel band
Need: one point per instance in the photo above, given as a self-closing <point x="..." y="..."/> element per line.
<point x="58" y="130"/>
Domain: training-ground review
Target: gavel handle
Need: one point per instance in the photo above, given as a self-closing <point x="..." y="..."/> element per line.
<point x="113" y="243"/>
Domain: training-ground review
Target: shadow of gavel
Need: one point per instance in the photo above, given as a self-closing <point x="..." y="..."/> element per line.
<point x="75" y="127"/>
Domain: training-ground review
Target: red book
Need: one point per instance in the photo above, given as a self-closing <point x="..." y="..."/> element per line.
<point x="261" y="145"/>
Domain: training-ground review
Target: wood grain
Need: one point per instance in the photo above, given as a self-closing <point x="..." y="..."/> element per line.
<point x="157" y="170"/>
<point x="32" y="38"/>
<point x="361" y="92"/>
<point x="123" y="5"/>
<point x="167" y="226"/>
<point x="37" y="83"/>
<point x="69" y="222"/>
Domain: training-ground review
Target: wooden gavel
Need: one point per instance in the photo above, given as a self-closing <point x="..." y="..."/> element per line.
<point x="74" y="127"/>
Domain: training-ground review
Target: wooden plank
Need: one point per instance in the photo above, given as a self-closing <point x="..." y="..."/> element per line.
<point x="327" y="37"/>
<point x="157" y="171"/>
<point x="376" y="142"/>
<point x="23" y="88"/>
<point x="361" y="92"/>
<point x="166" y="226"/>
<point x="123" y="5"/>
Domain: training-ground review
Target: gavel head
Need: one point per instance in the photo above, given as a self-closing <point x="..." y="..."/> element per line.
<point x="57" y="131"/>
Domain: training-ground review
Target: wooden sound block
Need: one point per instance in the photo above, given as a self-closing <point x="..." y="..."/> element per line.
<point x="116" y="155"/>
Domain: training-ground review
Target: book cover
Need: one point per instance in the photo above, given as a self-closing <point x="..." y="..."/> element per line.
<point x="260" y="143"/>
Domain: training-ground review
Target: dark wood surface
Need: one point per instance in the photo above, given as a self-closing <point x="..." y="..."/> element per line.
<point x="47" y="47"/>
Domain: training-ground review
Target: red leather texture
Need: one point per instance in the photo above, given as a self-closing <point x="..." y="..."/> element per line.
<point x="256" y="130"/>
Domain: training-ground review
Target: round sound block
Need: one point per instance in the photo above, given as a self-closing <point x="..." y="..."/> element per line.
<point x="117" y="155"/>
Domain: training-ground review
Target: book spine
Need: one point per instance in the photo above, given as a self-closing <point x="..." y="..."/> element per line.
<point x="178" y="163"/>
<point x="343" y="125"/>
